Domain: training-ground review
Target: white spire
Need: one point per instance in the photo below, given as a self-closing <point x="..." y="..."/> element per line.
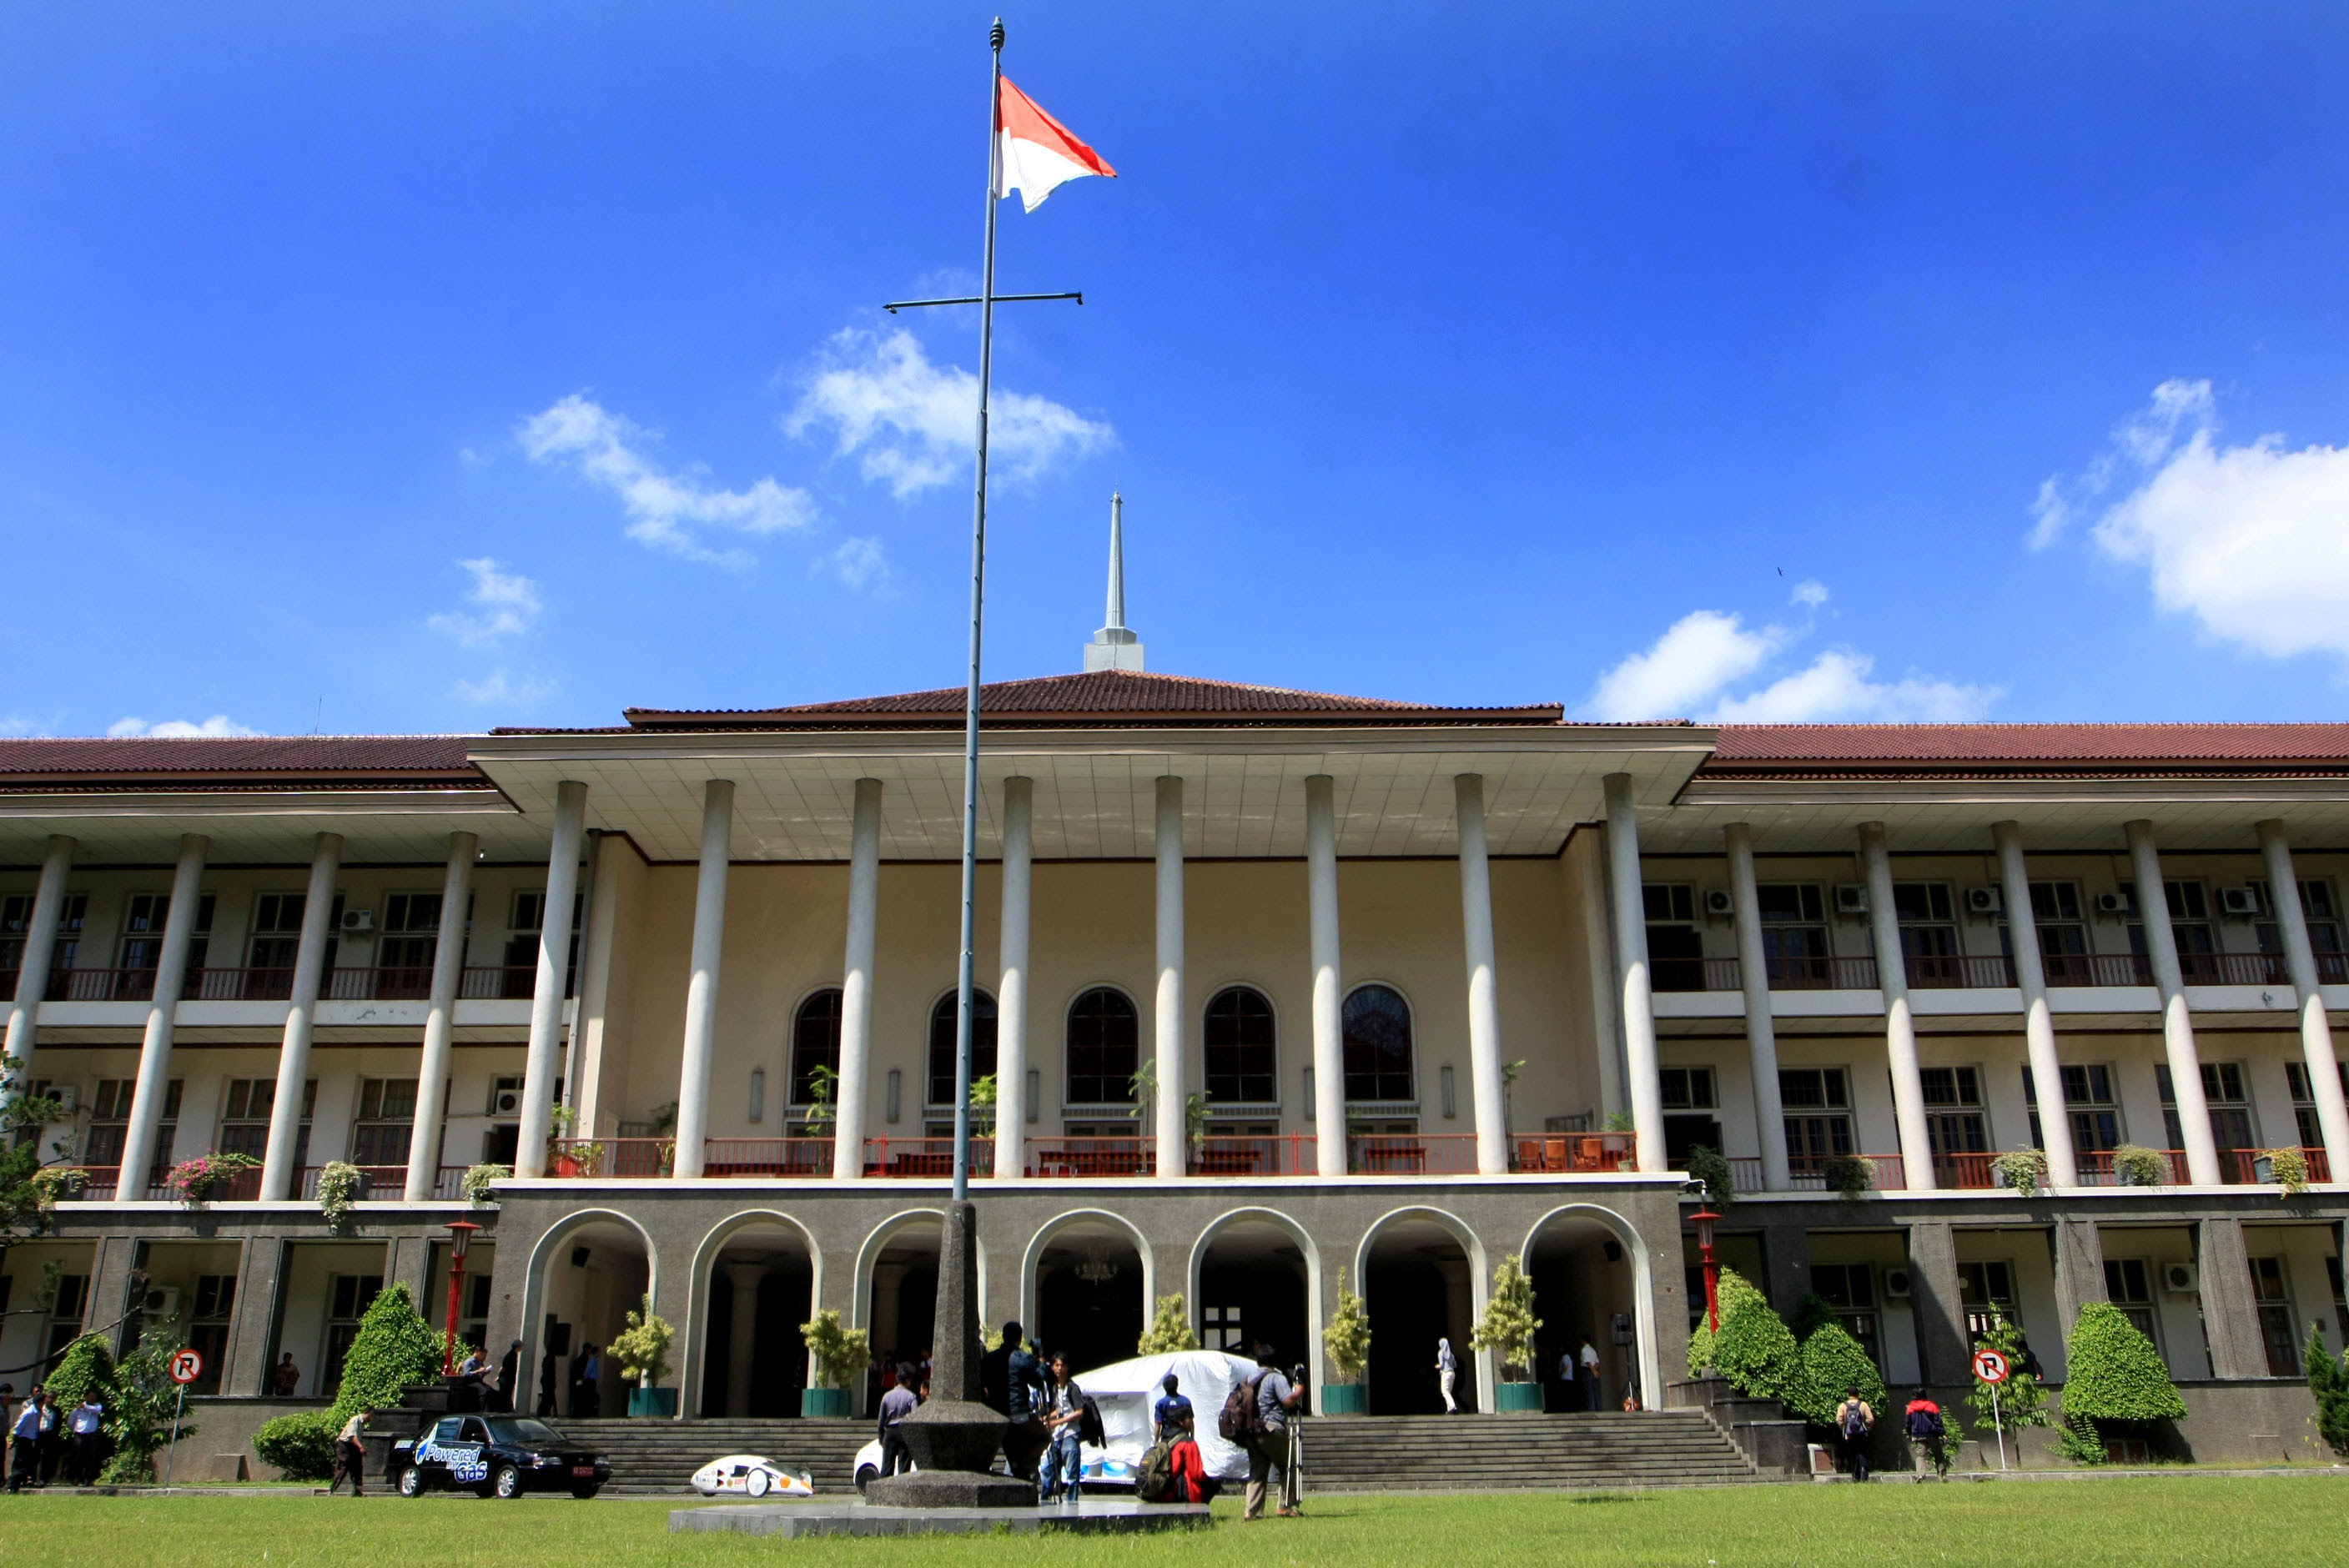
<point x="1114" y="647"/>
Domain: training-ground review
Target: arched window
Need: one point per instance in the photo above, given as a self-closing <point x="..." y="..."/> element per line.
<point x="942" y="1044"/>
<point x="1378" y="1044"/>
<point x="1104" y="1049"/>
<point x="816" y="1043"/>
<point x="1242" y="1065"/>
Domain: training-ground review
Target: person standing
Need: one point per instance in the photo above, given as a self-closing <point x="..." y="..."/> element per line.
<point x="586" y="1377"/>
<point x="1172" y="1416"/>
<point x="1589" y="1365"/>
<point x="509" y="1377"/>
<point x="1927" y="1433"/>
<point x="1853" y="1421"/>
<point x="550" y="1366"/>
<point x="1270" y="1457"/>
<point x="24" y="1442"/>
<point x="87" y="1426"/>
<point x="1447" y="1373"/>
<point x="897" y="1405"/>
<point x="1064" y="1452"/>
<point x="51" y="1451"/>
<point x="350" y="1455"/>
<point x="284" y="1377"/>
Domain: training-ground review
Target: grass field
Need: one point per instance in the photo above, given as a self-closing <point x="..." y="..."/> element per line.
<point x="2183" y="1520"/>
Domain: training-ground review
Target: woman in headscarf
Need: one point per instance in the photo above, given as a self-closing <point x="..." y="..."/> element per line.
<point x="1447" y="1372"/>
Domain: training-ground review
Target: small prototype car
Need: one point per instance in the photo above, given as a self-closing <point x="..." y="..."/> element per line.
<point x="752" y="1476"/>
<point x="496" y="1456"/>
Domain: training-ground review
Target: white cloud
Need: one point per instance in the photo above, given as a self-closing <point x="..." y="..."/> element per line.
<point x="858" y="561"/>
<point x="664" y="509"/>
<point x="1703" y="652"/>
<point x="2251" y="540"/>
<point x="1810" y="593"/>
<point x="508" y="605"/>
<point x="914" y="423"/>
<point x="178" y="729"/>
<point x="500" y="687"/>
<point x="1835" y="687"/>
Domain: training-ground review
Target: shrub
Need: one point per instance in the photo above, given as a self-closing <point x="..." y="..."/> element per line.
<point x="2289" y="1167"/>
<point x="2021" y="1400"/>
<point x="1753" y="1351"/>
<point x="338" y="1187"/>
<point x="301" y="1445"/>
<point x="478" y="1179"/>
<point x="1813" y="1312"/>
<point x="1833" y="1361"/>
<point x="140" y="1417"/>
<point x="1169" y="1330"/>
<point x="2022" y="1170"/>
<point x="1508" y="1325"/>
<point x="394" y="1347"/>
<point x="1712" y="1167"/>
<point x="2328" y="1379"/>
<point x="87" y="1363"/>
<point x="2112" y="1373"/>
<point x="1850" y="1174"/>
<point x="199" y="1180"/>
<point x="641" y="1349"/>
<point x="2135" y="1165"/>
<point x="841" y="1354"/>
<point x="1346" y="1341"/>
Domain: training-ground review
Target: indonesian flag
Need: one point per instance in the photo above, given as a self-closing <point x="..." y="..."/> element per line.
<point x="1034" y="153"/>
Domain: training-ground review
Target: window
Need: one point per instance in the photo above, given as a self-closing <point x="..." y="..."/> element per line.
<point x="2316" y="908"/>
<point x="1987" y="1292"/>
<point x="1675" y="947"/>
<point x="1220" y="1328"/>
<point x="347" y="1297"/>
<point x="1104" y="1049"/>
<point x="2128" y="1282"/>
<point x="524" y="928"/>
<point x="1955" y="1124"/>
<point x="1928" y="933"/>
<point x="2230" y="1113"/>
<point x="143" y="932"/>
<point x="2189" y="922"/>
<point x="208" y="1326"/>
<point x="1794" y="934"/>
<point x="404" y="953"/>
<point x="1377" y="1022"/>
<point x="110" y="1125"/>
<point x="815" y="1044"/>
<point x="66" y="1313"/>
<point x="2273" y="1291"/>
<point x="244" y="1118"/>
<point x="2092" y="1103"/>
<point x="1817" y="1103"/>
<point x="278" y="941"/>
<point x="2059" y="917"/>
<point x="1686" y="1088"/>
<point x="385" y="1123"/>
<point x="16" y="915"/>
<point x="1850" y="1289"/>
<point x="942" y="1045"/>
<point x="1243" y="1062"/>
<point x="2303" y="1101"/>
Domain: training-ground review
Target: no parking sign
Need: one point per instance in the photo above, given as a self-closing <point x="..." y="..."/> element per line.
<point x="187" y="1366"/>
<point x="1990" y="1365"/>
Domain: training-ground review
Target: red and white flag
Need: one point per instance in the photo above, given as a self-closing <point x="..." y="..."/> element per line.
<point x="1034" y="153"/>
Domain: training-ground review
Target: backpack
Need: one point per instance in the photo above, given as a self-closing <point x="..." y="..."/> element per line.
<point x="1855" y="1422"/>
<point x="1089" y="1420"/>
<point x="1240" y="1421"/>
<point x="1156" y="1482"/>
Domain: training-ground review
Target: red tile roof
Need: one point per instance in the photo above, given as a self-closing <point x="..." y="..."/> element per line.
<point x="319" y="761"/>
<point x="2049" y="749"/>
<point x="1099" y="697"/>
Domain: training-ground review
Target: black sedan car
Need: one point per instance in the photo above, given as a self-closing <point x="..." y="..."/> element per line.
<point x="496" y="1456"/>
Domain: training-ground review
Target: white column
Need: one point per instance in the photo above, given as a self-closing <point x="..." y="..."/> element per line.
<point x="1166" y="1033"/>
<point x="1900" y="1023"/>
<point x="701" y="987"/>
<point x="155" y="1051"/>
<point x="2177" y="1022"/>
<point x="1011" y="993"/>
<point x="1484" y="985"/>
<point x="2315" y="1029"/>
<point x="1761" y="1030"/>
<point x="742" y="1335"/>
<point x="439" y="1019"/>
<point x="1632" y="982"/>
<point x="32" y="969"/>
<point x="856" y="984"/>
<point x="1586" y="871"/>
<point x="2038" y="1023"/>
<point x="539" y="1063"/>
<point x="1329" y="979"/>
<point x="281" y="1175"/>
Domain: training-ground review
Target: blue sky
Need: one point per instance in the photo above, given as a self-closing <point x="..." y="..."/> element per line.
<point x="1816" y="362"/>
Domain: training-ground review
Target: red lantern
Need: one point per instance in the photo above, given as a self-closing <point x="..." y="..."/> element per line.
<point x="460" y="1238"/>
<point x="1704" y="1219"/>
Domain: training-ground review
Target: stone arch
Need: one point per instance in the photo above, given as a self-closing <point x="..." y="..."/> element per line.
<point x="702" y="1291"/>
<point x="879" y="1241"/>
<point x="1641" y="1263"/>
<point x="536" y="1293"/>
<point x="1415" y="1226"/>
<point x="1032" y="1305"/>
<point x="1255" y="1216"/>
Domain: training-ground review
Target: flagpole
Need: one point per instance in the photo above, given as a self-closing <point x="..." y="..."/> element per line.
<point x="977" y="614"/>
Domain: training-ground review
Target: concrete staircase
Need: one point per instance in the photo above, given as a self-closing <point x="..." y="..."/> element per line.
<point x="1371" y="1453"/>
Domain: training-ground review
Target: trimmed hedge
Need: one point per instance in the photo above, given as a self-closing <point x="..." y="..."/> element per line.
<point x="1833" y="1361"/>
<point x="2328" y="1379"/>
<point x="393" y="1348"/>
<point x="1753" y="1351"/>
<point x="2112" y="1373"/>
<point x="87" y="1363"/>
<point x="302" y="1445"/>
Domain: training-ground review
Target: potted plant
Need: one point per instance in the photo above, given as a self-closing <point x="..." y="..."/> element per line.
<point x="2135" y="1165"/>
<point x="1346" y="1345"/>
<point x="1852" y="1175"/>
<point x="340" y="1185"/>
<point x="58" y="1184"/>
<point x="1508" y="1329"/>
<point x="2287" y="1168"/>
<point x="571" y="1156"/>
<point x="641" y="1352"/>
<point x="2020" y="1170"/>
<point x="196" y="1182"/>
<point x="841" y="1355"/>
<point x="478" y="1180"/>
<point x="1169" y="1330"/>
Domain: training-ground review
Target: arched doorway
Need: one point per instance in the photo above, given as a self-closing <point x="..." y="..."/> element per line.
<point x="1585" y="1291"/>
<point x="1252" y="1280"/>
<point x="1419" y="1286"/>
<point x="757" y="1286"/>
<point x="1091" y="1290"/>
<point x="901" y="1287"/>
<point x="592" y="1274"/>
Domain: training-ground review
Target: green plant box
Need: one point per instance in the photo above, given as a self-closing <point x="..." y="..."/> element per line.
<point x="1345" y="1399"/>
<point x="823" y="1402"/>
<point x="1514" y="1397"/>
<point x="652" y="1401"/>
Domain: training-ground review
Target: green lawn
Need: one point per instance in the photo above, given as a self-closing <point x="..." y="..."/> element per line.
<point x="2183" y="1520"/>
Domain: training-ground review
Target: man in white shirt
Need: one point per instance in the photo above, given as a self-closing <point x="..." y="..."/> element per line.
<point x="86" y="1425"/>
<point x="1589" y="1376"/>
<point x="350" y="1455"/>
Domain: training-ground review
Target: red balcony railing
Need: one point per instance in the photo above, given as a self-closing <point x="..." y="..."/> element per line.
<point x="925" y="1157"/>
<point x="2097" y="1168"/>
<point x="797" y="1158"/>
<point x="1092" y="1156"/>
<point x="2238" y="1165"/>
<point x="1569" y="1153"/>
<point x="1411" y="1154"/>
<point x="1288" y="1155"/>
<point x="1964" y="1172"/>
<point x="1807" y="1173"/>
<point x="276" y="985"/>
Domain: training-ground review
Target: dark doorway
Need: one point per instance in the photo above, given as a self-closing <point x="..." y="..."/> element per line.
<point x="1252" y="1291"/>
<point x="1417" y="1288"/>
<point x="1582" y="1280"/>
<point x="778" y="1356"/>
<point x="1089" y="1295"/>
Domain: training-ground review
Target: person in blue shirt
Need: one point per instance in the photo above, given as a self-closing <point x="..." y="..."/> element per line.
<point x="1173" y="1414"/>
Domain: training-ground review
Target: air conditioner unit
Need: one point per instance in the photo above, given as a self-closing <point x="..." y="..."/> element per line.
<point x="1718" y="905"/>
<point x="67" y="1096"/>
<point x="1896" y="1285"/>
<point x="2239" y="903"/>
<point x="357" y="921"/>
<point x="161" y="1300"/>
<point x="1986" y="902"/>
<point x="1851" y="900"/>
<point x="505" y="1097"/>
<point x="2181" y="1279"/>
<point x="2116" y="905"/>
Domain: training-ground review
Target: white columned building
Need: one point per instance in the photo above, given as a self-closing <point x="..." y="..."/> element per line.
<point x="702" y="986"/>
<point x="33" y="960"/>
<point x="1328" y="1106"/>
<point x="441" y="1016"/>
<point x="849" y="1111"/>
<point x="540" y="1062"/>
<point x="1012" y="1109"/>
<point x="138" y="1150"/>
<point x="2177" y="1021"/>
<point x="281" y="1173"/>
<point x="2316" y="1046"/>
<point x="1634" y="987"/>
<point x="1761" y="1030"/>
<point x="2038" y="1021"/>
<point x="1172" y="1100"/>
<point x="1899" y="1020"/>
<point x="1486" y="1080"/>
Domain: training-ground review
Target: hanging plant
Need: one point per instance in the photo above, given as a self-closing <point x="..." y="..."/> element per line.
<point x="1850" y="1174"/>
<point x="478" y="1180"/>
<point x="195" y="1182"/>
<point x="2135" y="1165"/>
<point x="340" y="1182"/>
<point x="2022" y="1170"/>
<point x="2287" y="1168"/>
